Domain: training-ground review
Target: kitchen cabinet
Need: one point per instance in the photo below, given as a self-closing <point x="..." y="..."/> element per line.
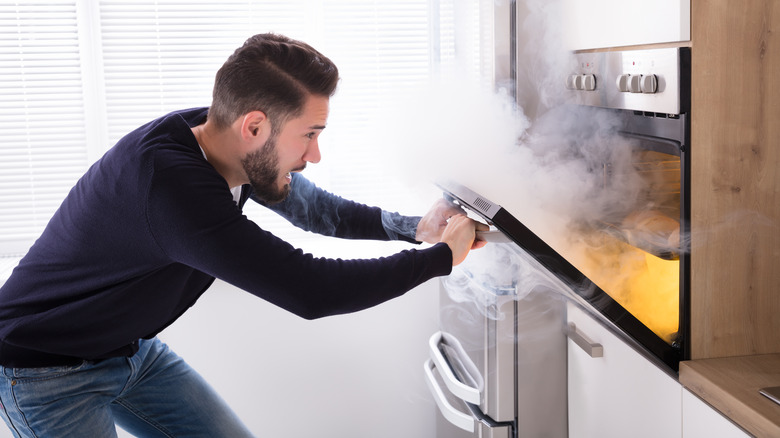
<point x="700" y="420"/>
<point x="620" y="393"/>
<point x="735" y="179"/>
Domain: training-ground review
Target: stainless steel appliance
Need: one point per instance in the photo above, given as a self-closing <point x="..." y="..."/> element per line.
<point x="518" y="324"/>
<point x="498" y="365"/>
<point x="647" y="93"/>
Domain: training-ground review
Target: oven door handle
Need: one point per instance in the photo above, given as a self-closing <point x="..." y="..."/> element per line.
<point x="477" y="423"/>
<point x="459" y="389"/>
<point x="454" y="416"/>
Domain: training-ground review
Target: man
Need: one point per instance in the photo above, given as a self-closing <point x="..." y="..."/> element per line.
<point x="151" y="224"/>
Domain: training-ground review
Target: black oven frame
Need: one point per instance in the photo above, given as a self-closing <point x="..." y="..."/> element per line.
<point x="666" y="133"/>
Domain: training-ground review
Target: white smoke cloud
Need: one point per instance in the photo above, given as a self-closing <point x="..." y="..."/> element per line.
<point x="560" y="169"/>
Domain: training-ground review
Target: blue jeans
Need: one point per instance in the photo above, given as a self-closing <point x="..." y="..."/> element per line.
<point x="152" y="394"/>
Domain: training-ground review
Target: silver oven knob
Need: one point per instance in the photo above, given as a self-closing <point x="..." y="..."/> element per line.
<point x="649" y="84"/>
<point x="622" y="83"/>
<point x="589" y="82"/>
<point x="570" y="82"/>
<point x="634" y="83"/>
<point x="579" y="82"/>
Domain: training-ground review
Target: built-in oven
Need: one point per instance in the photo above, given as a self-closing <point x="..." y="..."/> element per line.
<point x="637" y="253"/>
<point x="625" y="262"/>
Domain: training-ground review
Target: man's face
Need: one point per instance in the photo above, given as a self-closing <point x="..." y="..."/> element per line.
<point x="269" y="167"/>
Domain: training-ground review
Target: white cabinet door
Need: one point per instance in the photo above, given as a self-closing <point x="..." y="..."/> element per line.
<point x="598" y="24"/>
<point x="620" y="394"/>
<point x="702" y="421"/>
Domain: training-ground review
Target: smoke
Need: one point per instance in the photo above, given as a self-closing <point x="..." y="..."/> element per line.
<point x="550" y="174"/>
<point x="562" y="170"/>
<point x="494" y="272"/>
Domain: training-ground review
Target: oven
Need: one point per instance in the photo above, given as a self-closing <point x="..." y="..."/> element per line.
<point x="498" y="365"/>
<point x="636" y="254"/>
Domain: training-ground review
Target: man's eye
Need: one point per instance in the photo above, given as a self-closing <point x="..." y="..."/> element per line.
<point x="310" y="135"/>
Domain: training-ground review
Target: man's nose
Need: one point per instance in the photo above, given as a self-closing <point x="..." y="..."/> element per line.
<point x="312" y="154"/>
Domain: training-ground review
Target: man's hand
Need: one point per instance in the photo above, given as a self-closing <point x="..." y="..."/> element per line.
<point x="432" y="225"/>
<point x="460" y="235"/>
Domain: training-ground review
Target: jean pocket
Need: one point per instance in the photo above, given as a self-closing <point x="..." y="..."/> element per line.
<point x="43" y="373"/>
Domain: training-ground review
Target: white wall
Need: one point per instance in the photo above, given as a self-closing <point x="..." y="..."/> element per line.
<point x="357" y="375"/>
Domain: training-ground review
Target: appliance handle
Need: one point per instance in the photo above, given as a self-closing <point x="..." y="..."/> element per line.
<point x="593" y="349"/>
<point x="458" y="388"/>
<point x="454" y="416"/>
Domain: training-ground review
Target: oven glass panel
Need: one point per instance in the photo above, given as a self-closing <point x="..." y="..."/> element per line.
<point x="633" y="252"/>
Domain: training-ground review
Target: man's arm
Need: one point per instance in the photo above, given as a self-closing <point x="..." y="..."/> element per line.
<point x="313" y="209"/>
<point x="195" y="222"/>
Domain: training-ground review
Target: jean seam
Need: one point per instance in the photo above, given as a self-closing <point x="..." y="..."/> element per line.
<point x="120" y="401"/>
<point x="23" y="420"/>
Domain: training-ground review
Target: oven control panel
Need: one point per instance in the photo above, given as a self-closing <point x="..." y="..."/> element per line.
<point x="640" y="80"/>
<point x="627" y="83"/>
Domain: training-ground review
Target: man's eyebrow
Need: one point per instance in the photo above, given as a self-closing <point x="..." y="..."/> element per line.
<point x="317" y="127"/>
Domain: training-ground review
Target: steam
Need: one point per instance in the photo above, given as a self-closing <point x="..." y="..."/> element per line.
<point x="478" y="281"/>
<point x="560" y="169"/>
<point x="549" y="172"/>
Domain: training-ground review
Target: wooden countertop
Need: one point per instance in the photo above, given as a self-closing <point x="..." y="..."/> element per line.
<point x="731" y="386"/>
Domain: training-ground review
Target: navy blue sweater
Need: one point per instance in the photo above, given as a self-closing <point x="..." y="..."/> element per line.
<point x="147" y="229"/>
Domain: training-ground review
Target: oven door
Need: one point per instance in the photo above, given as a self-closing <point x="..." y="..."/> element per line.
<point x="578" y="285"/>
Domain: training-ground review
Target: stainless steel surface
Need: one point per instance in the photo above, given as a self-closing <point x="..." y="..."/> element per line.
<point x="503" y="350"/>
<point x="494" y="236"/>
<point x="593" y="349"/>
<point x="468" y="391"/>
<point x="479" y="346"/>
<point x="461" y="423"/>
<point x="503" y="46"/>
<point x="639" y="80"/>
<point x="469" y="199"/>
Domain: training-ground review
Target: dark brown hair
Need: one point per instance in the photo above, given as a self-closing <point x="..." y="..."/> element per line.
<point x="273" y="74"/>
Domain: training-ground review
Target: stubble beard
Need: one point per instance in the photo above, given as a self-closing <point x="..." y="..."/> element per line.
<point x="262" y="168"/>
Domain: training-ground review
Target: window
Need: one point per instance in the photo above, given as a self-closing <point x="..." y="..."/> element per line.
<point x="41" y="116"/>
<point x="76" y="75"/>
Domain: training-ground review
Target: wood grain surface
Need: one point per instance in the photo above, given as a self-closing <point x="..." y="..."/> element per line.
<point x="731" y="386"/>
<point x="735" y="159"/>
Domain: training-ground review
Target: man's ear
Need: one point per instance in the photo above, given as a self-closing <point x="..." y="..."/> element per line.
<point x="254" y="124"/>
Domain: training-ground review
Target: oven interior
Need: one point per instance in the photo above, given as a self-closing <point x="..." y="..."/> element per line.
<point x="633" y="252"/>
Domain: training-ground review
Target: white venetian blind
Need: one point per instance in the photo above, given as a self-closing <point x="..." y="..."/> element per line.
<point x="161" y="56"/>
<point x="140" y="59"/>
<point x="381" y="48"/>
<point x="42" y="128"/>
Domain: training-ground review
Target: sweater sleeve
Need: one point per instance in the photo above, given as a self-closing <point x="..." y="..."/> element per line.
<point x="313" y="209"/>
<point x="195" y="222"/>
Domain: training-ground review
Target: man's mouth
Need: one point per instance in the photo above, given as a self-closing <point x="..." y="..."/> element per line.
<point x="288" y="175"/>
<point x="299" y="169"/>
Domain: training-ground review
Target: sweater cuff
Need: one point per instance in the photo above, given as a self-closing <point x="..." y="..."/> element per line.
<point x="400" y="227"/>
<point x="442" y="256"/>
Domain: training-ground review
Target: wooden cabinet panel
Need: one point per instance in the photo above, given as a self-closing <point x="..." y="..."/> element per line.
<point x="735" y="159"/>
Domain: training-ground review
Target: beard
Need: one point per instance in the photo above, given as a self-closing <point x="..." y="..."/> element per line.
<point x="262" y="168"/>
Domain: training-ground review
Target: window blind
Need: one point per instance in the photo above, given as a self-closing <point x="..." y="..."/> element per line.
<point x="146" y="58"/>
<point x="42" y="129"/>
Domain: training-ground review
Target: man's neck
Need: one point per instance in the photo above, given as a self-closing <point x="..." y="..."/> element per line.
<point x="217" y="146"/>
